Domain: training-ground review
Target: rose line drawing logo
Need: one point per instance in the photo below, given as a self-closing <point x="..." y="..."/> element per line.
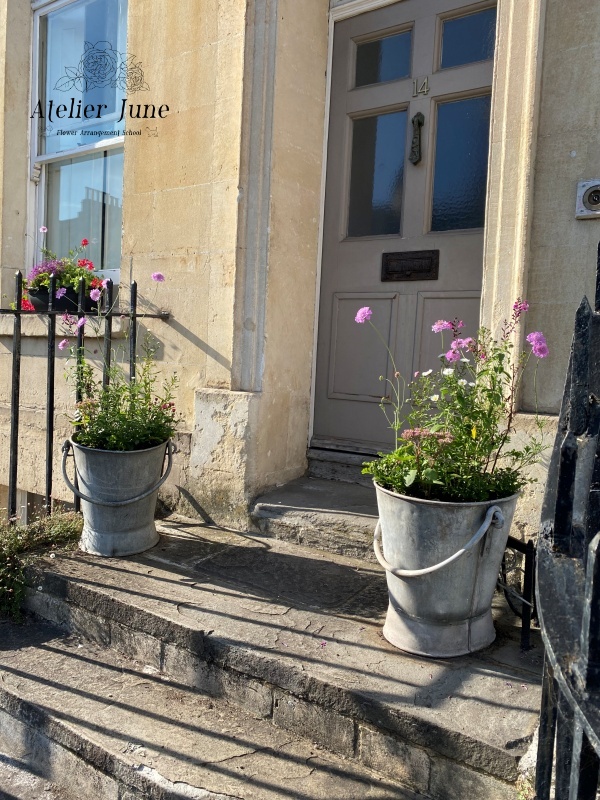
<point x="100" y="66"/>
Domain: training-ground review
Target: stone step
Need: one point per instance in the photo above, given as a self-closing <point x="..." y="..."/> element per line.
<point x="336" y="466"/>
<point x="293" y="635"/>
<point x="104" y="727"/>
<point x="329" y="515"/>
<point x="18" y="781"/>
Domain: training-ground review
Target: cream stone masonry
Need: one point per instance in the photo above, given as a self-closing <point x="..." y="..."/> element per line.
<point x="15" y="56"/>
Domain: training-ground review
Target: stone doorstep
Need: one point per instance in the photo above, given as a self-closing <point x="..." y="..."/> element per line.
<point x="330" y="515"/>
<point x="219" y="611"/>
<point x="107" y="728"/>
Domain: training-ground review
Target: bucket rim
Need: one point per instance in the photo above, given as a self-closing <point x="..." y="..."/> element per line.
<point x="76" y="444"/>
<point x="450" y="503"/>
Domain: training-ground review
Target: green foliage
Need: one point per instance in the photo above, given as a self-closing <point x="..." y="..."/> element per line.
<point x="68" y="270"/>
<point x="124" y="415"/>
<point x="454" y="428"/>
<point x="18" y="545"/>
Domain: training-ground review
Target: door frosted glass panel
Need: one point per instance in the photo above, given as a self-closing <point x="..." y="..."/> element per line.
<point x="461" y="156"/>
<point x="386" y="59"/>
<point x="466" y="40"/>
<point x="377" y="172"/>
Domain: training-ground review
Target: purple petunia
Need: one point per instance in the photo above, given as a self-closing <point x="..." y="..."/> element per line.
<point x="363" y="315"/>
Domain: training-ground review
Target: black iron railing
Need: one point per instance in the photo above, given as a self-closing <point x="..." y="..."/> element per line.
<point x="107" y="313"/>
<point x="568" y="579"/>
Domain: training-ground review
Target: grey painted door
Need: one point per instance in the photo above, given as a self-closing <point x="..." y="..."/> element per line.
<point x="406" y="185"/>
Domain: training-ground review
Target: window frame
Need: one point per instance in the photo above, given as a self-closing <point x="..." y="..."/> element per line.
<point x="38" y="172"/>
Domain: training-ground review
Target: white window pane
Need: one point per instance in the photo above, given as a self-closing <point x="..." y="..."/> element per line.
<point x="82" y="46"/>
<point x="84" y="199"/>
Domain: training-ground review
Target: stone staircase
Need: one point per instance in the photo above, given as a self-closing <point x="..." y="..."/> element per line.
<point x="238" y="665"/>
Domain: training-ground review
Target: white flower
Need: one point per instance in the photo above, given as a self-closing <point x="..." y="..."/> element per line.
<point x="466" y="360"/>
<point x="447" y="371"/>
<point x="434" y="398"/>
<point x="471" y="383"/>
<point x="462" y="382"/>
<point x="425" y="374"/>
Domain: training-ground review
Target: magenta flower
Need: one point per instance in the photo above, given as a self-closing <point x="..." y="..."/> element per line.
<point x="537" y="340"/>
<point x="95" y="295"/>
<point x="461" y="344"/>
<point x="158" y="277"/>
<point x="105" y="283"/>
<point x="452" y="355"/>
<point x="441" y="325"/>
<point x="520" y="306"/>
<point x="60" y="292"/>
<point x="363" y="315"/>
<point x="63" y="344"/>
<point x="81" y="322"/>
<point x="43" y="229"/>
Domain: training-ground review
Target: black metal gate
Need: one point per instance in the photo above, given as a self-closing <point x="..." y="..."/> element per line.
<point x="568" y="578"/>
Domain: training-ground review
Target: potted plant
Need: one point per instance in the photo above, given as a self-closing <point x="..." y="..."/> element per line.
<point x="447" y="492"/>
<point x="68" y="271"/>
<point x="122" y="432"/>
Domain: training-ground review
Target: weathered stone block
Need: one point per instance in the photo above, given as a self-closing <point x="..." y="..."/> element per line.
<point x="315" y="723"/>
<point x="393" y="758"/>
<point x="452" y="781"/>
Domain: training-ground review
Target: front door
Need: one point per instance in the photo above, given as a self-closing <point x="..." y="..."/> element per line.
<point x="404" y="202"/>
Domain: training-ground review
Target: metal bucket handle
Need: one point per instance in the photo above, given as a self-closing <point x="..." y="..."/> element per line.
<point x="114" y="503"/>
<point x="493" y="517"/>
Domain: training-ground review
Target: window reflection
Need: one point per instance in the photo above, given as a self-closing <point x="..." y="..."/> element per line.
<point x="460" y="173"/>
<point x="377" y="173"/>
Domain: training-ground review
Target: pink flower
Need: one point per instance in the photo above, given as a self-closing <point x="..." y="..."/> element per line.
<point x="461" y="344"/>
<point x="537" y="340"/>
<point x="416" y="375"/>
<point x="363" y="315"/>
<point x="63" y="344"/>
<point x="452" y="355"/>
<point x="81" y="322"/>
<point x="84" y="242"/>
<point x="60" y="292"/>
<point x="158" y="277"/>
<point x="43" y="229"/>
<point x="441" y="325"/>
<point x="105" y="283"/>
<point x="520" y="306"/>
<point x="95" y="295"/>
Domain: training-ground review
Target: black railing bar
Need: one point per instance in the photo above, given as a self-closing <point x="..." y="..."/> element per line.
<point x="513" y="592"/>
<point x="50" y="394"/>
<point x="133" y="332"/>
<point x="115" y="314"/>
<point x="14" y="403"/>
<point x="108" y="299"/>
<point x="516" y="544"/>
<point x="79" y="368"/>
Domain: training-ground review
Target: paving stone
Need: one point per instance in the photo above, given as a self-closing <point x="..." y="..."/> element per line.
<point x="315" y="723"/>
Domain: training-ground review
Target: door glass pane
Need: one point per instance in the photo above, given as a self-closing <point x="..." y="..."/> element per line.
<point x="82" y="65"/>
<point x="385" y="59"/>
<point x="376" y="176"/>
<point x="466" y="40"/>
<point x="462" y="144"/>
<point x="84" y="199"/>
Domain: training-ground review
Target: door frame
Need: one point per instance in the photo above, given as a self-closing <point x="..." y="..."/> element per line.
<point x="345" y="10"/>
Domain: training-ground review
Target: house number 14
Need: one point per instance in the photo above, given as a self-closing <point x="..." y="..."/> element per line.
<point x="420" y="86"/>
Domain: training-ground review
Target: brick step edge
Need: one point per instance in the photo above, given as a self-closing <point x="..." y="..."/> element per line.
<point x="296" y="702"/>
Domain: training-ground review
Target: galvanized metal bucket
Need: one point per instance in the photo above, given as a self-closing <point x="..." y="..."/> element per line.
<point x="118" y="491"/>
<point x="442" y="562"/>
